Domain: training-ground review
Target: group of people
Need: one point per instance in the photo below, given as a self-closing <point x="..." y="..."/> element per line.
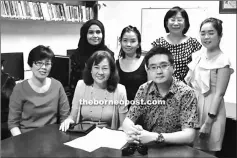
<point x="192" y="82"/>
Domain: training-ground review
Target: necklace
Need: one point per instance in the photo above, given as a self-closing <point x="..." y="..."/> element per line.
<point x="97" y="102"/>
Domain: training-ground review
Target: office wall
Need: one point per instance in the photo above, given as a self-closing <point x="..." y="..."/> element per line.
<point x="151" y="29"/>
<point x="118" y="14"/>
<point x="22" y="36"/>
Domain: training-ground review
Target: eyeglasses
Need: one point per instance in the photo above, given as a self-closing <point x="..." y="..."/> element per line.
<point x="179" y="20"/>
<point x="131" y="148"/>
<point x="163" y="67"/>
<point x="40" y="64"/>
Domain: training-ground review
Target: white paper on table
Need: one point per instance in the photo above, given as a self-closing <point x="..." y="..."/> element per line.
<point x="99" y="138"/>
<point x="89" y="143"/>
<point x="113" y="139"/>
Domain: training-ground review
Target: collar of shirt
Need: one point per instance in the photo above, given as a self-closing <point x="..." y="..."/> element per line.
<point x="153" y="90"/>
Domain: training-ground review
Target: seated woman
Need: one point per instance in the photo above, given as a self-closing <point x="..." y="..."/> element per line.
<point x="39" y="100"/>
<point x="98" y="98"/>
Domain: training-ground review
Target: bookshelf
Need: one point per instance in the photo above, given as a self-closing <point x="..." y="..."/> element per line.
<point x="49" y="10"/>
<point x="22" y="34"/>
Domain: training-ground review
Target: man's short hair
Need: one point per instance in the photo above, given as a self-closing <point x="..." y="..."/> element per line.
<point x="159" y="50"/>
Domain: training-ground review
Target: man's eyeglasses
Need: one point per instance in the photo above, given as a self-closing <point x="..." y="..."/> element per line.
<point x="131" y="148"/>
<point x="162" y="67"/>
<point x="40" y="64"/>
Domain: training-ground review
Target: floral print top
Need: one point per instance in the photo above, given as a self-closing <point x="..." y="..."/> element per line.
<point x="178" y="112"/>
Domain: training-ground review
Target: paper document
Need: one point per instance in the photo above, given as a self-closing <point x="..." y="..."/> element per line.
<point x="89" y="143"/>
<point x="99" y="138"/>
<point x="113" y="139"/>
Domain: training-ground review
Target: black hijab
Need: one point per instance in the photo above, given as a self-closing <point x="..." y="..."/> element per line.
<point x="84" y="48"/>
<point x="84" y="51"/>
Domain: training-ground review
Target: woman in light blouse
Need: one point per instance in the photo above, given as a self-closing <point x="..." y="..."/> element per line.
<point x="98" y="98"/>
<point x="209" y="75"/>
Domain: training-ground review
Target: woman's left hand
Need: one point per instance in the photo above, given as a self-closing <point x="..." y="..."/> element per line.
<point x="205" y="130"/>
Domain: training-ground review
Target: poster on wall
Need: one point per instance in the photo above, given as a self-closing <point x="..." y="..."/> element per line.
<point x="227" y="7"/>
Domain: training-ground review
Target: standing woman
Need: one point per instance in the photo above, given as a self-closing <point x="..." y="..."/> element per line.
<point x="209" y="75"/>
<point x="92" y="38"/>
<point x="131" y="66"/>
<point x="176" y="23"/>
<point x="39" y="100"/>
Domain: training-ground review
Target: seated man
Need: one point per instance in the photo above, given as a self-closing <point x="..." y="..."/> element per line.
<point x="172" y="117"/>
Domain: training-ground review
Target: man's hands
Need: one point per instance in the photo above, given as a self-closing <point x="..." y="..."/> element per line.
<point x="147" y="137"/>
<point x="139" y="135"/>
<point x="133" y="133"/>
<point x="136" y="134"/>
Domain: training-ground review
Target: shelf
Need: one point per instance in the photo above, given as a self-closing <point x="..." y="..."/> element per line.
<point x="70" y="2"/>
<point x="41" y="21"/>
<point x="49" y="11"/>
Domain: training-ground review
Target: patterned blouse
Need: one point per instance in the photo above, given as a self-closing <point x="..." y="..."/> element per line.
<point x="182" y="54"/>
<point x="179" y="110"/>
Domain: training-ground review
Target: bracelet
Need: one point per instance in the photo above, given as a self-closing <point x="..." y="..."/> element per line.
<point x="212" y="116"/>
<point x="160" y="139"/>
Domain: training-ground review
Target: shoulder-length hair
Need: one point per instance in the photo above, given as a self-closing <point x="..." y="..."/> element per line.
<point x="172" y="12"/>
<point x="40" y="52"/>
<point x="95" y="59"/>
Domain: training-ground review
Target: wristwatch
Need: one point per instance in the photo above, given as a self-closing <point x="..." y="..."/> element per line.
<point x="212" y="116"/>
<point x="160" y="139"/>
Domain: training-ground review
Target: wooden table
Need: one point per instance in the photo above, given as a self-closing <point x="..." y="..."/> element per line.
<point x="48" y="142"/>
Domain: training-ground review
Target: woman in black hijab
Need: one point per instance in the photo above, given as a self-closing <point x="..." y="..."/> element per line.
<point x="92" y="37"/>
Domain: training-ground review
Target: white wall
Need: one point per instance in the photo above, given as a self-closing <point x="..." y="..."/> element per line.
<point x="22" y="36"/>
<point x="118" y="14"/>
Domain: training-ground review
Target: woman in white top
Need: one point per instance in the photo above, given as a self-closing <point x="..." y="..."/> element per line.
<point x="209" y="75"/>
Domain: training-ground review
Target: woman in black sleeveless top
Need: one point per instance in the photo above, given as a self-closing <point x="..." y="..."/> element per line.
<point x="131" y="66"/>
